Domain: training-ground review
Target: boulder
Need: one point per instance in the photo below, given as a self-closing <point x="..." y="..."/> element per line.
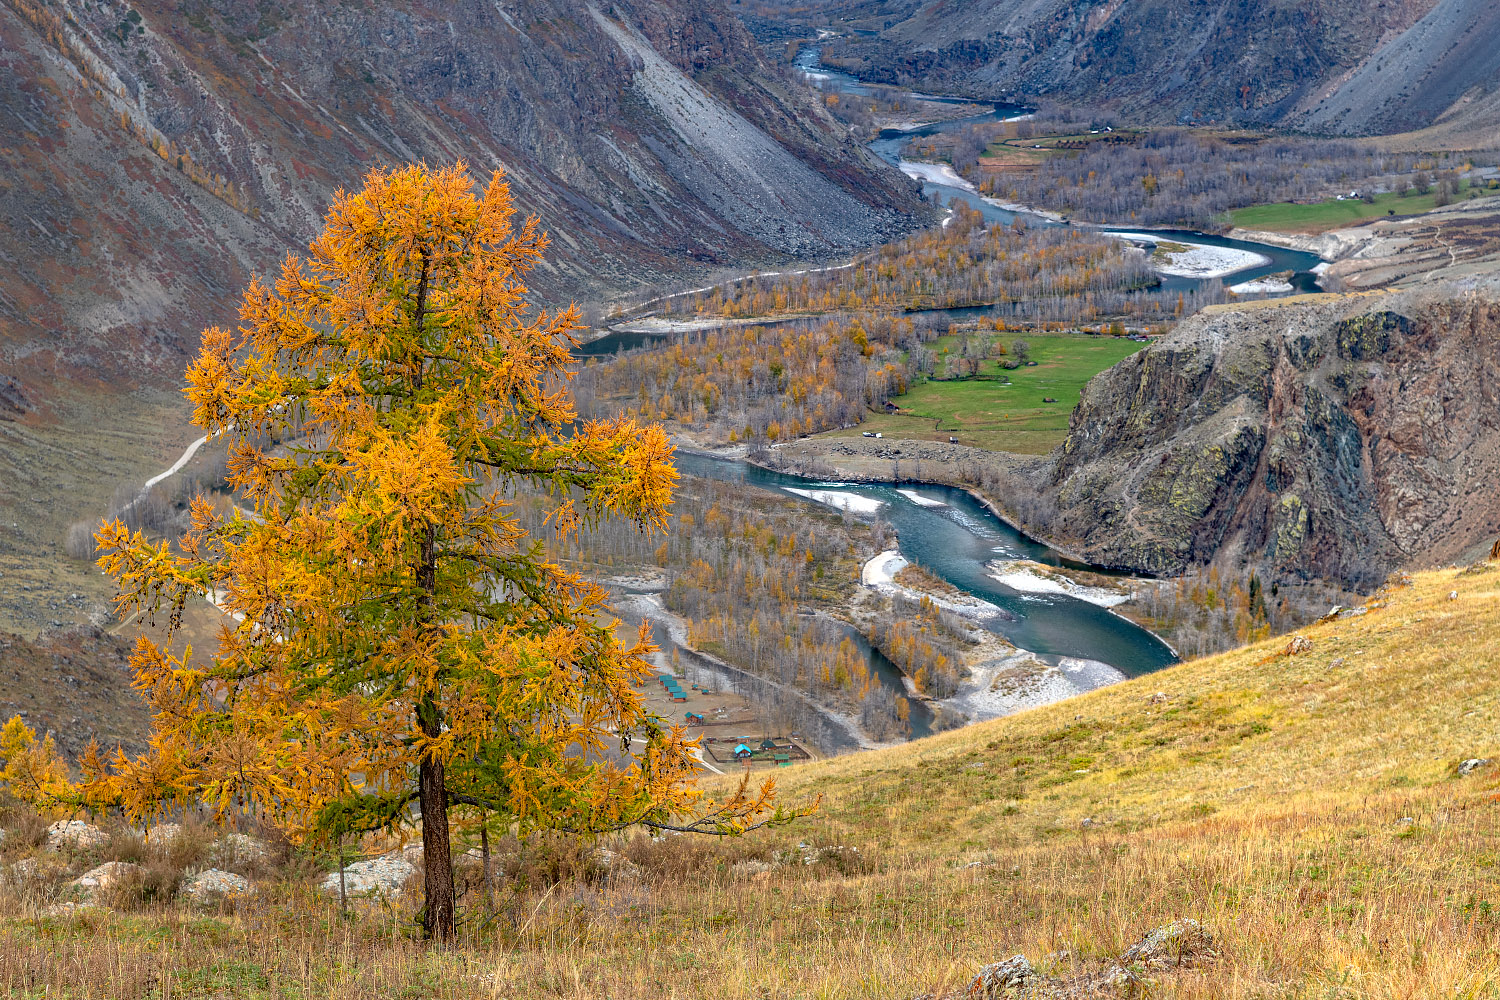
<point x="236" y="849"/>
<point x="1472" y="764"/>
<point x="208" y="888"/>
<point x="1177" y="943"/>
<point x="163" y="834"/>
<point x="75" y="834"/>
<point x="1015" y="973"/>
<point x="23" y="872"/>
<point x="383" y="876"/>
<point x="96" y="882"/>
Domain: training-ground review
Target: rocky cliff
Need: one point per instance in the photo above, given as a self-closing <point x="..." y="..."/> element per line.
<point x="1333" y="436"/>
<point x="1351" y="67"/>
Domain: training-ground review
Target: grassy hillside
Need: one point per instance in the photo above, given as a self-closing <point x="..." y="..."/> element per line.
<point x="1306" y="808"/>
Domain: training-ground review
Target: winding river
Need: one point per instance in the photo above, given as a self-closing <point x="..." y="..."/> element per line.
<point x="890" y="141"/>
<point x="946" y="530"/>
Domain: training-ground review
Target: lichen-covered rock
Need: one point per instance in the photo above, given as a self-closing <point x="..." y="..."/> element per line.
<point x="1472" y="764"/>
<point x="75" y="834"/>
<point x="1015" y="973"/>
<point x="1178" y="943"/>
<point x="213" y="886"/>
<point x="383" y="876"/>
<point x="95" y="883"/>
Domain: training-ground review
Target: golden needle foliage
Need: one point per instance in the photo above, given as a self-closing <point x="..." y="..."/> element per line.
<point x="392" y="632"/>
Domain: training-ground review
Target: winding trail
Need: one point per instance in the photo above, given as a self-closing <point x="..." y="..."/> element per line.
<point x="187" y="456"/>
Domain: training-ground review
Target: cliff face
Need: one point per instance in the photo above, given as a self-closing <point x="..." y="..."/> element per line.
<point x="155" y="154"/>
<point x="1360" y="67"/>
<point x="1337" y="439"/>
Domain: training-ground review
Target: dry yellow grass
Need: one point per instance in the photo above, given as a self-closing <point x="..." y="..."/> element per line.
<point x="1305" y="808"/>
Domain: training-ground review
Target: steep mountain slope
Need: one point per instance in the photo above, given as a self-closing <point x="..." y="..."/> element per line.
<point x="152" y="157"/>
<point x="1334" y="436"/>
<point x="1325" y="65"/>
<point x="1415" y="77"/>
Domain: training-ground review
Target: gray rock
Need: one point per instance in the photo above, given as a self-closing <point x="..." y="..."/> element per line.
<point x="23" y="872"/>
<point x="383" y="876"/>
<point x="1472" y="764"/>
<point x="1171" y="944"/>
<point x="96" y="882"/>
<point x="163" y="834"/>
<point x="75" y="833"/>
<point x="614" y="864"/>
<point x="236" y="849"/>
<point x="208" y="888"/>
<point x="996" y="980"/>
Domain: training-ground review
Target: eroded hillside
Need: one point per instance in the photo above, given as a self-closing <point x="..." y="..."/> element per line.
<point x="156" y="155"/>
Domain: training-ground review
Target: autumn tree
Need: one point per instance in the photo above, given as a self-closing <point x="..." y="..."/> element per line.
<point x="392" y="634"/>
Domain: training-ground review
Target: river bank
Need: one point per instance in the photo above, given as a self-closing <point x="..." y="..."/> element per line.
<point x="999" y="678"/>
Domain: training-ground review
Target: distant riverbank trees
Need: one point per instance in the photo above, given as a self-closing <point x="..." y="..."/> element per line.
<point x="962" y="263"/>
<point x="1172" y="177"/>
<point x="749" y="574"/>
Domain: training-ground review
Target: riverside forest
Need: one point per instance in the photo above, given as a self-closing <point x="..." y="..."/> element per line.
<point x="976" y="499"/>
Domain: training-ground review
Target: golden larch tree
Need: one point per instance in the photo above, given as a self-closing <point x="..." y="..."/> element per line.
<point x="391" y="633"/>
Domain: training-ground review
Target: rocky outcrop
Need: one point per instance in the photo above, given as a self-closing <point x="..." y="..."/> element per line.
<point x="97" y="883"/>
<point x="76" y="835"/>
<point x="1331" y="436"/>
<point x="214" y="886"/>
<point x="382" y="876"/>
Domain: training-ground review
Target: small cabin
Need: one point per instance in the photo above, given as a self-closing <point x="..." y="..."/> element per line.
<point x="768" y="744"/>
<point x="742" y="752"/>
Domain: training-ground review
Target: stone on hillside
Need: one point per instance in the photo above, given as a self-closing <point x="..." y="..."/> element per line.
<point x="235" y="849"/>
<point x="1299" y="644"/>
<point x="383" y="876"/>
<point x="75" y="833"/>
<point x="1472" y="764"/>
<point x="163" y="833"/>
<point x="1176" y="943"/>
<point x="995" y="980"/>
<point x="24" y="871"/>
<point x="210" y="887"/>
<point x="97" y="881"/>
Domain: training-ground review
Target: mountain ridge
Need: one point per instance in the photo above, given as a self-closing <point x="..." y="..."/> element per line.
<point x="1321" y="66"/>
